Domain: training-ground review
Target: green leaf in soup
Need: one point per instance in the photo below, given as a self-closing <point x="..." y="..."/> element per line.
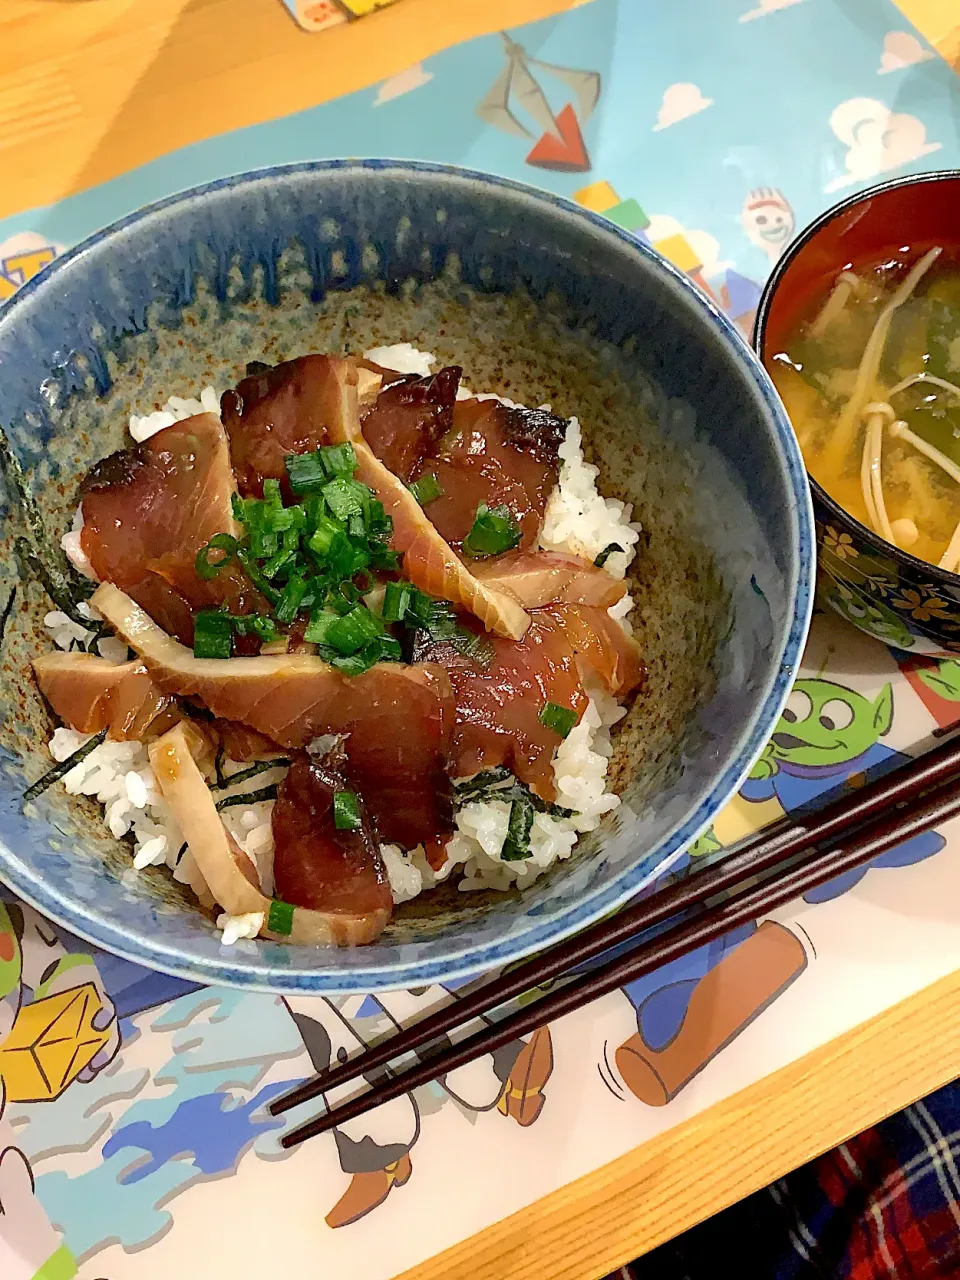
<point x="943" y="337"/>
<point x="908" y="340"/>
<point x="934" y="414"/>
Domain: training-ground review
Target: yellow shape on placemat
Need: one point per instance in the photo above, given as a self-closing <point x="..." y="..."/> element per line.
<point x="51" y="1042"/>
<point x="357" y="8"/>
<point x="679" y="251"/>
<point x="598" y="197"/>
<point x="740" y="818"/>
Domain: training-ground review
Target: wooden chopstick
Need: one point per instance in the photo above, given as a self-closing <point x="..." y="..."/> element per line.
<point x="754" y="900"/>
<point x="752" y="857"/>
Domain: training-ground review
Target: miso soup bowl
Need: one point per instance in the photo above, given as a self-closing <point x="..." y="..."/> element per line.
<point x="886" y="592"/>
<point x="538" y="300"/>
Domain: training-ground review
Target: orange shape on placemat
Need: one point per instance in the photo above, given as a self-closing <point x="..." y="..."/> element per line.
<point x="565" y="152"/>
<point x="50" y="1043"/>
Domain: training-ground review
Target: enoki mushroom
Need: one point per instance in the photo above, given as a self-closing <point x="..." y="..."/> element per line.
<point x="848" y="283"/>
<point x="870" y="476"/>
<point x="869" y="367"/>
<point x="902" y="532"/>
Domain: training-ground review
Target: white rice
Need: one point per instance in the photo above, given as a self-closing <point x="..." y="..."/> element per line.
<point x="578" y="520"/>
<point x="175" y="410"/>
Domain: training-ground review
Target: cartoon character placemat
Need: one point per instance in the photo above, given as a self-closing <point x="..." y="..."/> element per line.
<point x="133" y="1117"/>
<point x="321" y="15"/>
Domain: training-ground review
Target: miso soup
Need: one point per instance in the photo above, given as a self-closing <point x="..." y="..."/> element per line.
<point x="871" y="380"/>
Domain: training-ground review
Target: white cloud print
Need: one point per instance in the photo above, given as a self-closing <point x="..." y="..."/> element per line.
<point x="679" y="102"/>
<point x="767" y="6"/>
<point x="403" y="82"/>
<point x="877" y="140"/>
<point x="901" y="49"/>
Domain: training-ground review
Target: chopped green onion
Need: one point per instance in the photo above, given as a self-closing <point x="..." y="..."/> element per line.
<point x="559" y="720"/>
<point x="606" y="553"/>
<point x="516" y="846"/>
<point x="246" y="558"/>
<point x="306" y="472"/>
<point x="353" y="630"/>
<point x="346" y="498"/>
<point x="396" y="601"/>
<point x="426" y="489"/>
<point x="346" y="559"/>
<point x="256" y="623"/>
<point x="379" y="524"/>
<point x="494" y="531"/>
<point x="355" y="664"/>
<point x="346" y="810"/>
<point x="343" y="597"/>
<point x="385" y="558"/>
<point x="390" y="650"/>
<point x="212" y="635"/>
<point x="328" y="538"/>
<point x="280" y="918"/>
<point x="290" y="545"/>
<point x="291" y="599"/>
<point x="421" y="608"/>
<point x="339" y="459"/>
<point x="207" y="568"/>
<point x="320" y="624"/>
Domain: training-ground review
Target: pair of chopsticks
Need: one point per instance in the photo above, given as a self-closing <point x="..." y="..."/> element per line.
<point x="845" y="834"/>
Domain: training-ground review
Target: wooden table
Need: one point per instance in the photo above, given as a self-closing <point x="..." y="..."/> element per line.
<point x="91" y="88"/>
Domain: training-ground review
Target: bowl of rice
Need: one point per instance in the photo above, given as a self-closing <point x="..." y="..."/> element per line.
<point x="676" y="471"/>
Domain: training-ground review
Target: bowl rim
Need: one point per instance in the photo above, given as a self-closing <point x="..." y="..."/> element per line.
<point x="919" y="568"/>
<point x="466" y="959"/>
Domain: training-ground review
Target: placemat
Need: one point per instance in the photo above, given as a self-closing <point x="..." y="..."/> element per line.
<point x="158" y="1157"/>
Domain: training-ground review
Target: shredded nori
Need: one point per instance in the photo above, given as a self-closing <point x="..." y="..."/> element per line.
<point x="57" y="772"/>
<point x="7" y="610"/>
<point x="243" y="775"/>
<point x="56" y="586"/>
<point x="606" y="553"/>
<point x="489" y="785"/>
<point x="249" y="797"/>
<point x="516" y="846"/>
<point x="481" y="781"/>
<point x="45" y="558"/>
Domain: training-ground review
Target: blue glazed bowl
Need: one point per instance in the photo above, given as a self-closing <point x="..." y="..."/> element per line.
<point x="540" y="301"/>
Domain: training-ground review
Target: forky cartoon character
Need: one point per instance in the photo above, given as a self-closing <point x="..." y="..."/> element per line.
<point x="768" y="220"/>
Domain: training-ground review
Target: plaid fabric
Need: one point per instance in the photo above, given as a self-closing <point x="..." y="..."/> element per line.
<point x="883" y="1206"/>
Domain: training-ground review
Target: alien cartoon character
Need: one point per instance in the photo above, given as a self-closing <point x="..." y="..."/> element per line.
<point x="829" y="736"/>
<point x="768" y="220"/>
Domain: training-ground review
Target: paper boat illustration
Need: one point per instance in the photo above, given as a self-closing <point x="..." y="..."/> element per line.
<point x="559" y="140"/>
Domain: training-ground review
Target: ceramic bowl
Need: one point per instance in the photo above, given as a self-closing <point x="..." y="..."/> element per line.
<point x="884" y="591"/>
<point x="538" y="300"/>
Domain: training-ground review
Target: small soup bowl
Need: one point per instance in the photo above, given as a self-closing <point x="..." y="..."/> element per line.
<point x="886" y="592"/>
